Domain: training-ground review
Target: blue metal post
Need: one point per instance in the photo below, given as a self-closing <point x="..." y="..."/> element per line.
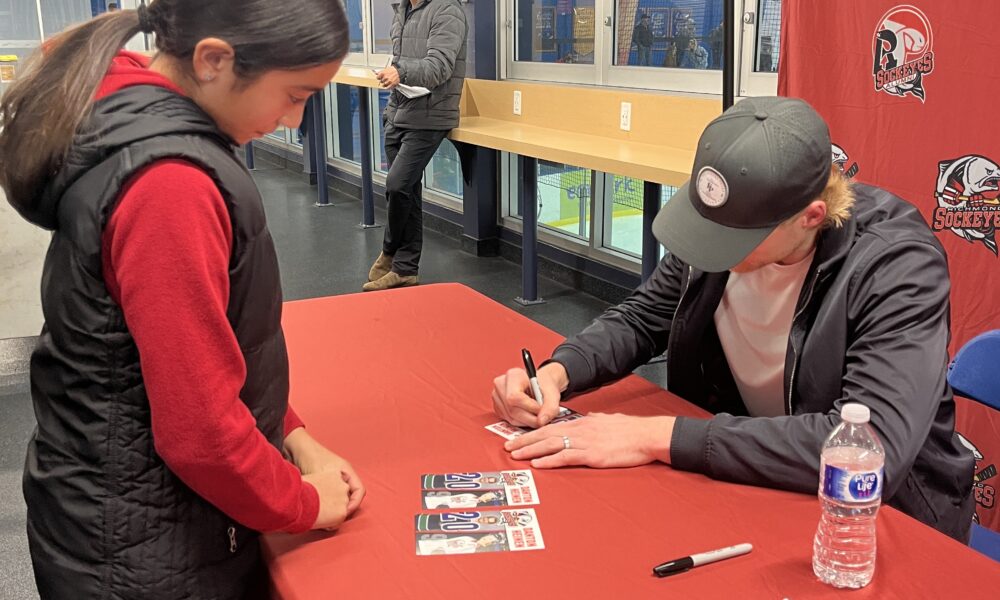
<point x="318" y="147"/>
<point x="650" y="247"/>
<point x="248" y="155"/>
<point x="367" y="199"/>
<point x="529" y="234"/>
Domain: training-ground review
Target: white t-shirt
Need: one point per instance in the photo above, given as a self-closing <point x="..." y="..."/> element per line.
<point x="753" y="321"/>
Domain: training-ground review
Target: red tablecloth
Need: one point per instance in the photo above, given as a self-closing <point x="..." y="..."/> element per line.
<point x="398" y="382"/>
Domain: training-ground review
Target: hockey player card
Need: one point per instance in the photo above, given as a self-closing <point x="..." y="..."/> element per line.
<point x="472" y="532"/>
<point x="509" y="432"/>
<point x="476" y="490"/>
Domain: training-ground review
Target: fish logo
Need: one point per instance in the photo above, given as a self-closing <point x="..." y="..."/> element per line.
<point x="967" y="195"/>
<point x="902" y="52"/>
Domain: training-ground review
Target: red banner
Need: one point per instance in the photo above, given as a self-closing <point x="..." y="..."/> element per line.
<point x="911" y="92"/>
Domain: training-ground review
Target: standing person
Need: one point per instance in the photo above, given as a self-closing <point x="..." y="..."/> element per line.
<point x="642" y="37"/>
<point x="788" y="292"/>
<point x="428" y="50"/>
<point x="683" y="32"/>
<point x="715" y="39"/>
<point x="112" y="6"/>
<point x="695" y="57"/>
<point x="160" y="380"/>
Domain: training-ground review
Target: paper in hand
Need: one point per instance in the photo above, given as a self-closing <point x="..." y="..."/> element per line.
<point x="409" y="91"/>
<point x="412" y="91"/>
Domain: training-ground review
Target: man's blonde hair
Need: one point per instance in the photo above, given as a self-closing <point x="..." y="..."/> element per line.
<point x="839" y="198"/>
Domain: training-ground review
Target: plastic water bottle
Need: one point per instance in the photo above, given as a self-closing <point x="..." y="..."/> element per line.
<point x="850" y="492"/>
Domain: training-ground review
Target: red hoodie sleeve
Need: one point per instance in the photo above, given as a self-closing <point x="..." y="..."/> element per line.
<point x="292" y="421"/>
<point x="166" y="253"/>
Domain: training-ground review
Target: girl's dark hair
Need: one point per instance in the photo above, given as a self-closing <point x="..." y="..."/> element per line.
<point x="41" y="111"/>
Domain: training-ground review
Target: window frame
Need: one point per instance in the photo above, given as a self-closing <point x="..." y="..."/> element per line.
<point x="605" y="73"/>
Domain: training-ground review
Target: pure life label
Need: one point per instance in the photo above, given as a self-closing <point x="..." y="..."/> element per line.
<point x="853" y="487"/>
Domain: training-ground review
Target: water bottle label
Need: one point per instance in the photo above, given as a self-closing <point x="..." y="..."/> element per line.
<point x="852" y="486"/>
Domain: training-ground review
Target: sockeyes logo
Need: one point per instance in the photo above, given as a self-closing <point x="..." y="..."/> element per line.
<point x="967" y="193"/>
<point x="902" y="51"/>
<point x="984" y="493"/>
<point x="840" y="158"/>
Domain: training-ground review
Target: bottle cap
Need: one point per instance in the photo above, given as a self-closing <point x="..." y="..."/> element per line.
<point x="855" y="413"/>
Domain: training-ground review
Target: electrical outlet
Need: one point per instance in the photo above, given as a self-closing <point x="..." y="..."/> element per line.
<point x="626" y="116"/>
<point x="517" y="102"/>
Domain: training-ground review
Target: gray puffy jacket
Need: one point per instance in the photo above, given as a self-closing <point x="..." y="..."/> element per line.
<point x="428" y="50"/>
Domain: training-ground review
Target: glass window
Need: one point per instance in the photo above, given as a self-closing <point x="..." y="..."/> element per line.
<point x="381" y="161"/>
<point x="684" y="34"/>
<point x="555" y="31"/>
<point x="19" y="22"/>
<point x="444" y="173"/>
<point x="57" y="15"/>
<point x="330" y="102"/>
<point x="346" y="124"/>
<point x="625" y="223"/>
<point x="665" y="196"/>
<point x="564" y="194"/>
<point x="382" y="13"/>
<point x="768" y="36"/>
<point x="280" y="134"/>
<point x="470" y="41"/>
<point x="354" y="25"/>
<point x="19" y="37"/>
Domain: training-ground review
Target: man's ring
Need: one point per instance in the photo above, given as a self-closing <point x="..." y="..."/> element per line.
<point x="565" y="442"/>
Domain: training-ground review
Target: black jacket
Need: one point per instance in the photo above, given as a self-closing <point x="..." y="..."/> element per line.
<point x="642" y="36"/>
<point x="106" y="517"/>
<point x="871" y="326"/>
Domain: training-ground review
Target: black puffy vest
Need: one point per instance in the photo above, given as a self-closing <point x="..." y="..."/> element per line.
<point x="106" y="517"/>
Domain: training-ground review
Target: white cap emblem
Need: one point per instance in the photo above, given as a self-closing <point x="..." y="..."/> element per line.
<point x="712" y="187"/>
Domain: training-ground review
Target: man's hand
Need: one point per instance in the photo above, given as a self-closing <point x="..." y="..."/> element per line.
<point x="312" y="458"/>
<point x="512" y="402"/>
<point x="388" y="77"/>
<point x="597" y="440"/>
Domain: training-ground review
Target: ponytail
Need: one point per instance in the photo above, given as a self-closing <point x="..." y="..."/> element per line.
<point x="41" y="111"/>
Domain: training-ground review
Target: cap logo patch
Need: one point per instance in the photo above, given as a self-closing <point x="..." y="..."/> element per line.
<point x="712" y="187"/>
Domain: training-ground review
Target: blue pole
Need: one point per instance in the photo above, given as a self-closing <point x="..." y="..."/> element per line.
<point x="365" y="118"/>
<point x="529" y="234"/>
<point x="248" y="152"/>
<point x="317" y="132"/>
<point x="650" y="247"/>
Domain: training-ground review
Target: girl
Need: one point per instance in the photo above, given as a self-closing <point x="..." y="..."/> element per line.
<point x="160" y="380"/>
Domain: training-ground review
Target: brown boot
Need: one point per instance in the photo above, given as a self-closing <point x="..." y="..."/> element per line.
<point x="391" y="280"/>
<point x="383" y="264"/>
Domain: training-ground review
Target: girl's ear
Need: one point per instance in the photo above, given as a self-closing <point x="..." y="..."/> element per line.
<point x="213" y="58"/>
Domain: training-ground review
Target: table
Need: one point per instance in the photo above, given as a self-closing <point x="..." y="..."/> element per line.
<point x="398" y="382"/>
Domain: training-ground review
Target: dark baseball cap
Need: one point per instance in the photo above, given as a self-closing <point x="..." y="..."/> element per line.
<point x="757" y="165"/>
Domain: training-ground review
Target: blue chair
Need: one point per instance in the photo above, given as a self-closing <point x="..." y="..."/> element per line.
<point x="973" y="374"/>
